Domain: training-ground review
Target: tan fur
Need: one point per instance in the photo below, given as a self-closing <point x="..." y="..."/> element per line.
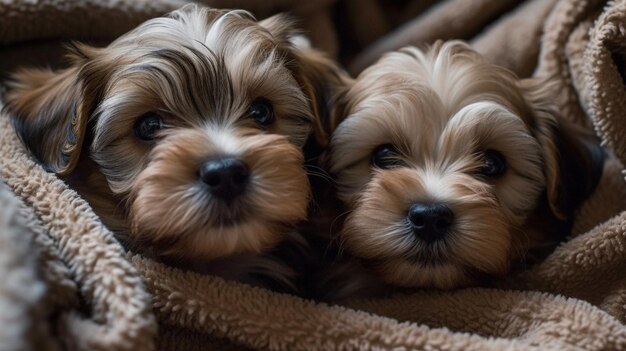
<point x="200" y="69"/>
<point x="441" y="108"/>
<point x="169" y="206"/>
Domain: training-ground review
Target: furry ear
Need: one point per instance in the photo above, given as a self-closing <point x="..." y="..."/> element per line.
<point x="50" y="110"/>
<point x="325" y="83"/>
<point x="322" y="80"/>
<point x="282" y="27"/>
<point x="582" y="164"/>
<point x="573" y="157"/>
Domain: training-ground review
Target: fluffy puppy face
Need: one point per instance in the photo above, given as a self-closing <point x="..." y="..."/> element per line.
<point x="197" y="121"/>
<point x="442" y="159"/>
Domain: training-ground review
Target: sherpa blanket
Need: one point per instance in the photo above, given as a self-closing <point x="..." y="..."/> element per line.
<point x="66" y="283"/>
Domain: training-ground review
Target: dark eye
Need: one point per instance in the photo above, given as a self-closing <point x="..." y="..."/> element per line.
<point x="147" y="126"/>
<point x="385" y="156"/>
<point x="494" y="164"/>
<point x="262" y="111"/>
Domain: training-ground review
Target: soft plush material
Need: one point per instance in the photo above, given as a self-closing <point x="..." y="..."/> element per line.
<point x="66" y="283"/>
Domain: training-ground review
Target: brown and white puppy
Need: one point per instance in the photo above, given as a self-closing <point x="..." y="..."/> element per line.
<point x="453" y="168"/>
<point x="186" y="135"/>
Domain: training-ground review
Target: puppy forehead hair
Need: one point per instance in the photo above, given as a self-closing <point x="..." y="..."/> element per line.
<point x="485" y="124"/>
<point x="379" y="116"/>
<point x="233" y="36"/>
<point x="453" y="72"/>
<point x="410" y="92"/>
<point x="189" y="76"/>
<point x="424" y="133"/>
<point x="182" y="80"/>
<point x="230" y="33"/>
<point x="199" y="24"/>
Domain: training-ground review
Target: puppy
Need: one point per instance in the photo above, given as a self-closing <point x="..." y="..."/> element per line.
<point x="186" y="135"/>
<point x="452" y="169"/>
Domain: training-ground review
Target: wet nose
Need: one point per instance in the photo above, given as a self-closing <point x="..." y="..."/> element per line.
<point x="430" y="221"/>
<point x="227" y="178"/>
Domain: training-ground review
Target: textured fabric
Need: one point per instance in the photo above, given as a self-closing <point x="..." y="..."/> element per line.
<point x="450" y="19"/>
<point x="505" y="44"/>
<point x="118" y="306"/>
<point x="67" y="283"/>
<point x="605" y="74"/>
<point x="22" y="292"/>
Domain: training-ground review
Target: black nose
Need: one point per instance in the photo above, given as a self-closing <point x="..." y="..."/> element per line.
<point x="226" y="178"/>
<point x="430" y="221"/>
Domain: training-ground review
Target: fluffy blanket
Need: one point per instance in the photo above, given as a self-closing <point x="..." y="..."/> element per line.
<point x="68" y="284"/>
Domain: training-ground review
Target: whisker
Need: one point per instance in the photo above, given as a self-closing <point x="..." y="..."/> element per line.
<point x="332" y="224"/>
<point x="323" y="176"/>
<point x="319" y="172"/>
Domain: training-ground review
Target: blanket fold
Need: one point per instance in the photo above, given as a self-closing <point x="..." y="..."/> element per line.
<point x="67" y="283"/>
<point x="605" y="75"/>
<point x="23" y="292"/>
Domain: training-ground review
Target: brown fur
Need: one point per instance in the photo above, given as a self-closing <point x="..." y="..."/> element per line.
<point x="441" y="108"/>
<point x="199" y="69"/>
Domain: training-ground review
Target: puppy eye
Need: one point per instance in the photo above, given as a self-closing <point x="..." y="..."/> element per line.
<point x="262" y="111"/>
<point x="494" y="164"/>
<point x="147" y="126"/>
<point x="385" y="156"/>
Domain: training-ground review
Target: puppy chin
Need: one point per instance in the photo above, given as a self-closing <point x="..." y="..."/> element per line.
<point x="379" y="231"/>
<point x="172" y="210"/>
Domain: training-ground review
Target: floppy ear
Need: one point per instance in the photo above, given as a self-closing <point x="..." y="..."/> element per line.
<point x="50" y="110"/>
<point x="326" y="85"/>
<point x="321" y="79"/>
<point x="572" y="155"/>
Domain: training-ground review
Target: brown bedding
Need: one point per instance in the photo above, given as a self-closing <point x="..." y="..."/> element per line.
<point x="67" y="283"/>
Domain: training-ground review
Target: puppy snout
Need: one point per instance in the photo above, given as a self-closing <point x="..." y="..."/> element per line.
<point x="226" y="178"/>
<point x="430" y="221"/>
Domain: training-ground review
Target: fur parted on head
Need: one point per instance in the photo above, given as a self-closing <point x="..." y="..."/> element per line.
<point x="170" y="112"/>
<point x="445" y="159"/>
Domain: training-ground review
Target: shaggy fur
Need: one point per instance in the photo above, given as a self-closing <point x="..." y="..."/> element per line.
<point x="444" y="112"/>
<point x="198" y="72"/>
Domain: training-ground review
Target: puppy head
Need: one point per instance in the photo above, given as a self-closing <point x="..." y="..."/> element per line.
<point x="197" y="121"/>
<point x="442" y="158"/>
